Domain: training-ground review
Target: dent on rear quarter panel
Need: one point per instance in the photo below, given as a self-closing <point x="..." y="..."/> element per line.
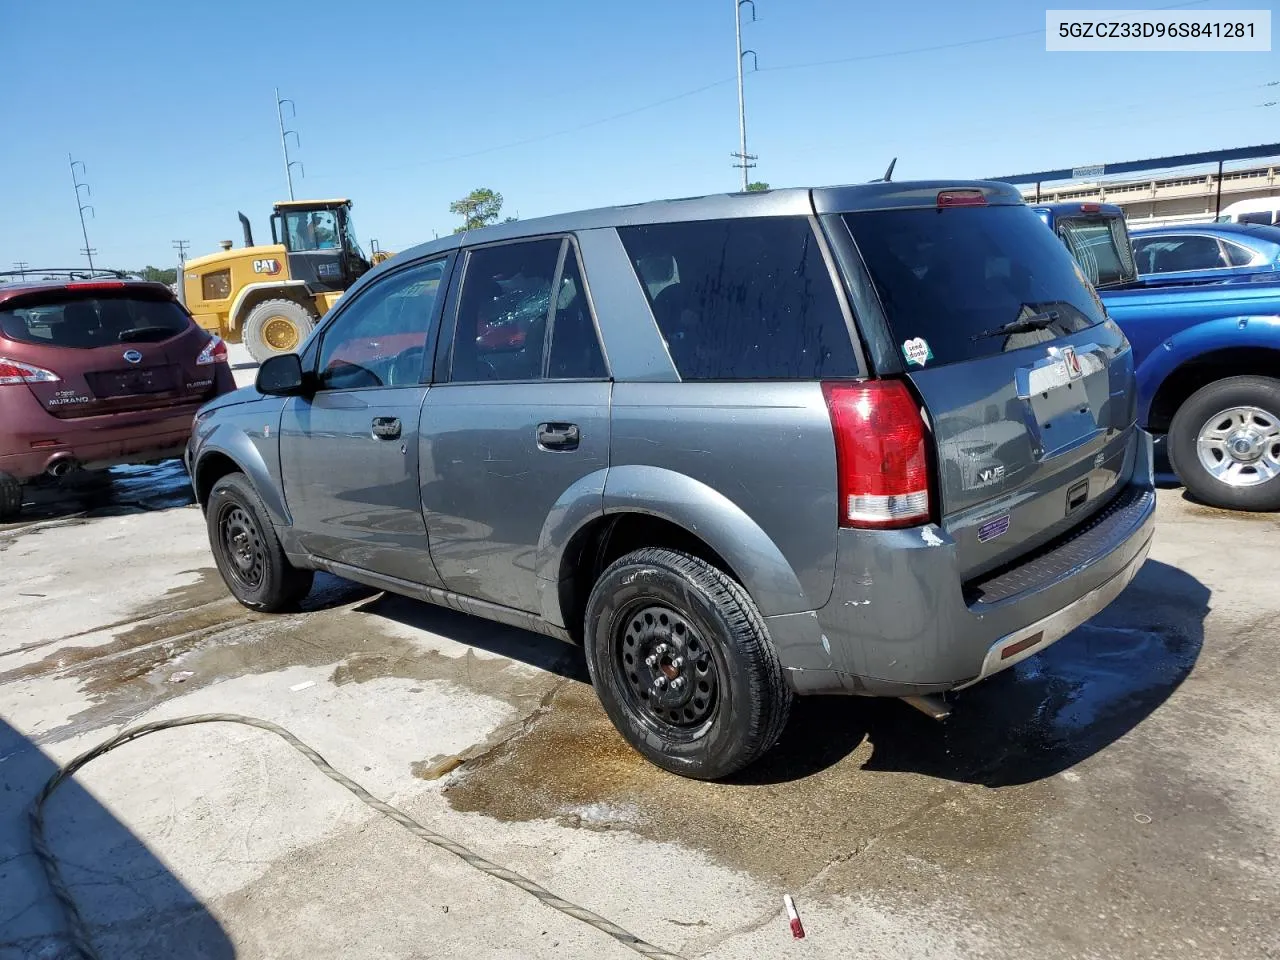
<point x="748" y="467"/>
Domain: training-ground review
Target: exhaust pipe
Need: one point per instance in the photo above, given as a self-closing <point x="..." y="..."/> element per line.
<point x="931" y="705"/>
<point x="61" y="467"/>
<point x="248" y="230"/>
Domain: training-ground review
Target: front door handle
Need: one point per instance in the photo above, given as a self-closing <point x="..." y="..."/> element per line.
<point x="558" y="436"/>
<point x="386" y="428"/>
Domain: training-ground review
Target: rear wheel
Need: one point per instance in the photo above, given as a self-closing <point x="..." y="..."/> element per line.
<point x="248" y="552"/>
<point x="682" y="662"/>
<point x="10" y="498"/>
<point x="276" y="326"/>
<point x="1224" y="443"/>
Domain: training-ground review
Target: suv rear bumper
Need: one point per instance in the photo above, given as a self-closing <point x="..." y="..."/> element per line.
<point x="901" y="622"/>
<point x="94" y="442"/>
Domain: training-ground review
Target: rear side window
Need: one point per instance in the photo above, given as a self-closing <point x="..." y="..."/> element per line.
<point x="953" y="278"/>
<point x="743" y="299"/>
<point x="511" y="327"/>
<point x="85" y="323"/>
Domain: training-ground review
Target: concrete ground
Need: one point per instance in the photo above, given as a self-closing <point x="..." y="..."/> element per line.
<point x="1117" y="796"/>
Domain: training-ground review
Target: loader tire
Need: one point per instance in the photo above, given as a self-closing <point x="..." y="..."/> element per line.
<point x="276" y="326"/>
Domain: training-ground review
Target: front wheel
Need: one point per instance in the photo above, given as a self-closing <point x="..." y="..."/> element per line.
<point x="248" y="552"/>
<point x="683" y="664"/>
<point x="1224" y="443"/>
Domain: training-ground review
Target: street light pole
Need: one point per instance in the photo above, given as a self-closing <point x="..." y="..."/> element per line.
<point x="744" y="158"/>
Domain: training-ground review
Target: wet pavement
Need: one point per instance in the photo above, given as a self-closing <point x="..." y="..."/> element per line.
<point x="1116" y="796"/>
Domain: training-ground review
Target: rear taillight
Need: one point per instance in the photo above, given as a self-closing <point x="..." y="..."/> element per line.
<point x="14" y="371"/>
<point x="881" y="454"/>
<point x="215" y="351"/>
<point x="962" y="198"/>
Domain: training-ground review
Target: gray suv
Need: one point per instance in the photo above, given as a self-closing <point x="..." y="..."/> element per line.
<point x="874" y="440"/>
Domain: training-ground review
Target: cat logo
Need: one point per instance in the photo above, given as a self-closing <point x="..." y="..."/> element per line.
<point x="269" y="266"/>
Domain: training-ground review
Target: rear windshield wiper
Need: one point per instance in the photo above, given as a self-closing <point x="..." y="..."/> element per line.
<point x="134" y="334"/>
<point x="1037" y="321"/>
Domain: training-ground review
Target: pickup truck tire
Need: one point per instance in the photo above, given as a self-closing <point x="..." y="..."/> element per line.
<point x="1224" y="443"/>
<point x="276" y="326"/>
<point x="248" y="552"/>
<point x="10" y="498"/>
<point x="683" y="664"/>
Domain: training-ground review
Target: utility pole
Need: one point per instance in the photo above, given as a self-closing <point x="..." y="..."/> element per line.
<point x="22" y="268"/>
<point x="181" y="247"/>
<point x="744" y="159"/>
<point x="284" y="140"/>
<point x="88" y="251"/>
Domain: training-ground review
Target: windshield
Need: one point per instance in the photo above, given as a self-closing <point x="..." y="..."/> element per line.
<point x="92" y="322"/>
<point x="311" y="230"/>
<point x="1101" y="247"/>
<point x="948" y="278"/>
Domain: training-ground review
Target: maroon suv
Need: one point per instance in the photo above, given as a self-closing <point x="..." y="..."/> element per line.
<point x="95" y="373"/>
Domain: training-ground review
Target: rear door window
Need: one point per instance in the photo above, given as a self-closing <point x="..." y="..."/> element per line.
<point x="951" y="280"/>
<point x="84" y="323"/>
<point x="743" y="299"/>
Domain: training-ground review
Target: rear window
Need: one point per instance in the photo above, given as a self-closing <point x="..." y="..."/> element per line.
<point x="742" y="299"/>
<point x="949" y="279"/>
<point x="1101" y="247"/>
<point x="85" y="323"/>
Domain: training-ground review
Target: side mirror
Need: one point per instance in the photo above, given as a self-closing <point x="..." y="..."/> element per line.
<point x="281" y="376"/>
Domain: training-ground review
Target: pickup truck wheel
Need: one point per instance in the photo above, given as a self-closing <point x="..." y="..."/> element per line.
<point x="10" y="498"/>
<point x="1224" y="443"/>
<point x="276" y="326"/>
<point x="682" y="662"/>
<point x="248" y="552"/>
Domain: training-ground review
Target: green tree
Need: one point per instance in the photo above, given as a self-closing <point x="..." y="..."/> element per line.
<point x="157" y="275"/>
<point x="479" y="208"/>
<point x="759" y="186"/>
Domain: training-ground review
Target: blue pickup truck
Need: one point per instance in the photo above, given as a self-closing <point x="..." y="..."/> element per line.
<point x="1207" y="358"/>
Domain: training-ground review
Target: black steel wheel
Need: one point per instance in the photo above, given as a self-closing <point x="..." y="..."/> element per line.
<point x="10" y="498"/>
<point x="683" y="664"/>
<point x="666" y="670"/>
<point x="248" y="552"/>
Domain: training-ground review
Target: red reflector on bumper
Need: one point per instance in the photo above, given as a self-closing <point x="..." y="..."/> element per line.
<point x="1016" y="648"/>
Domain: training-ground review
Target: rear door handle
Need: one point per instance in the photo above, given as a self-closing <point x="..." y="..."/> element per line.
<point x="386" y="428"/>
<point x="558" y="436"/>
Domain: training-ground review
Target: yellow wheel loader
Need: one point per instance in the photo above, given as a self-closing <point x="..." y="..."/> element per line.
<point x="270" y="297"/>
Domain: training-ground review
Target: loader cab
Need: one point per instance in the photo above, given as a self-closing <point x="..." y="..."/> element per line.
<point x="320" y="239"/>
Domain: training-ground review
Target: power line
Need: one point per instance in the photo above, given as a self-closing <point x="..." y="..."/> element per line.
<point x="87" y="250"/>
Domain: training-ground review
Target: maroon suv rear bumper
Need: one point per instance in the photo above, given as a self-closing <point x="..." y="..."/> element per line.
<point x="91" y="442"/>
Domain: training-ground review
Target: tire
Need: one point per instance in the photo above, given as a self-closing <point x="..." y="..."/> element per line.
<point x="716" y="643"/>
<point x="247" y="550"/>
<point x="276" y="326"/>
<point x="1204" y="435"/>
<point x="10" y="498"/>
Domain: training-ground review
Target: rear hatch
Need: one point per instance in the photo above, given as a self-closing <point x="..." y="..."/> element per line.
<point x="108" y="347"/>
<point x="1027" y="384"/>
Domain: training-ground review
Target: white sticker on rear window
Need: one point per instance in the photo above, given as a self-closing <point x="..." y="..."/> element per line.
<point x="917" y="351"/>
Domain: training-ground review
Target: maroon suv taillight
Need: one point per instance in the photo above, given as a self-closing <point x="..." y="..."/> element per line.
<point x="14" y="371"/>
<point x="215" y="351"/>
<point x="881" y="454"/>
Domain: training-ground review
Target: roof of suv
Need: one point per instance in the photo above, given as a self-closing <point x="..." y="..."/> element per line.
<point x="10" y="290"/>
<point x="794" y="201"/>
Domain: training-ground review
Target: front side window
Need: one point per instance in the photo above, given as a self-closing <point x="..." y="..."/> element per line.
<point x="380" y="339"/>
<point x="742" y="299"/>
<point x="311" y="230"/>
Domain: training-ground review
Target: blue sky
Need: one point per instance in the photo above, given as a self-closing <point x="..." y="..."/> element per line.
<point x="405" y="105"/>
